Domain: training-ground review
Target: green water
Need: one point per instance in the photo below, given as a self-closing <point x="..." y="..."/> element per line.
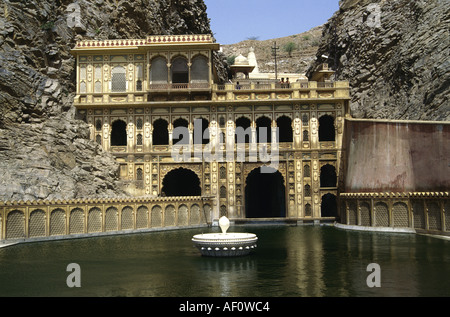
<point x="289" y="262"/>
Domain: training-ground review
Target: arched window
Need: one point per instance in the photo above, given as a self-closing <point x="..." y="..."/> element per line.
<point x="305" y="135"/>
<point x="98" y="87"/>
<point x="307" y="190"/>
<point x="119" y="133"/>
<point x="139" y="77"/>
<point x="98" y="125"/>
<point x="160" y="132"/>
<point x="308" y="210"/>
<point x="199" y="70"/>
<point x="139" y="124"/>
<point x="223" y="172"/>
<point x="118" y="79"/>
<point x="328" y="176"/>
<point x="243" y="130"/>
<point x="264" y="130"/>
<point x="201" y="131"/>
<point x="326" y="128"/>
<point x="181" y="132"/>
<point x="284" y="125"/>
<point x="159" y="71"/>
<point x="307" y="171"/>
<point x="305" y="120"/>
<point x="180" y="70"/>
<point x="223" y="192"/>
<point x="139" y="139"/>
<point x="139" y="174"/>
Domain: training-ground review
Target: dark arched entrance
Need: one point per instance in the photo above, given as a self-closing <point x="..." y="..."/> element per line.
<point x="181" y="182"/>
<point x="329" y="206"/>
<point x="119" y="133"/>
<point x="326" y="128"/>
<point x="328" y="177"/>
<point x="265" y="195"/>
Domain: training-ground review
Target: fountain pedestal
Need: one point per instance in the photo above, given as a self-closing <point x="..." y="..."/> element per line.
<point x="225" y="244"/>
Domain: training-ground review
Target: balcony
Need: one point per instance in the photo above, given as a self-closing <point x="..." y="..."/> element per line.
<point x="244" y="91"/>
<point x="181" y="87"/>
<point x="280" y="91"/>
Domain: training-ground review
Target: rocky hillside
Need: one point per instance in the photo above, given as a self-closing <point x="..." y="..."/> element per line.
<point x="395" y="55"/>
<point x="304" y="49"/>
<point x="44" y="150"/>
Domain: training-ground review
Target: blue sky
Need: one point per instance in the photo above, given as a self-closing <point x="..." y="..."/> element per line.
<point x="233" y="21"/>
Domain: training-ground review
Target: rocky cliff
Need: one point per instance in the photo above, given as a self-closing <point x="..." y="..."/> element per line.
<point x="45" y="152"/>
<point x="395" y="55"/>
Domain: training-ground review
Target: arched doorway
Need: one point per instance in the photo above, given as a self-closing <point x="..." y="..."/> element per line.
<point x="181" y="182"/>
<point x="119" y="133"/>
<point x="328" y="207"/>
<point x="265" y="195"/>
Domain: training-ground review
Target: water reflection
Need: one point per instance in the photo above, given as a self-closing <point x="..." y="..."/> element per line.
<point x="289" y="261"/>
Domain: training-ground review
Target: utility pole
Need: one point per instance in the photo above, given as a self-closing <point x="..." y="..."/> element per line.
<point x="274" y="53"/>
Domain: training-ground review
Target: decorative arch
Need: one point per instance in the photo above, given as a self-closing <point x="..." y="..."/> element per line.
<point x="159" y="72"/>
<point x="381" y="215"/>
<point x="160" y="132"/>
<point x="181" y="182"/>
<point x="156" y="216"/>
<point x="142" y="217"/>
<point x="179" y="70"/>
<point x="243" y="130"/>
<point x="182" y="137"/>
<point x="15" y="225"/>
<point x="127" y="221"/>
<point x="285" y="132"/>
<point x="328" y="176"/>
<point x="327" y="130"/>
<point x="400" y="215"/>
<point x="111" y="219"/>
<point x="264" y="129"/>
<point x="201" y="131"/>
<point x="76" y="221"/>
<point x="119" y="133"/>
<point x="118" y="79"/>
<point x="199" y="69"/>
<point x="57" y="222"/>
<point x="94" y="220"/>
<point x="37" y="224"/>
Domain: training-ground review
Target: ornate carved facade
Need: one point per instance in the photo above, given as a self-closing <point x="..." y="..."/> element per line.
<point x="137" y="94"/>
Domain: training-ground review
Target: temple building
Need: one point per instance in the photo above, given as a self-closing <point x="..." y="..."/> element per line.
<point x="260" y="149"/>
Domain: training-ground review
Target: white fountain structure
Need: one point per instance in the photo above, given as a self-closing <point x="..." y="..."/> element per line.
<point x="225" y="244"/>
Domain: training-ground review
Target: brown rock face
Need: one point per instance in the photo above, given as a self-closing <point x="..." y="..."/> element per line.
<point x="395" y="55"/>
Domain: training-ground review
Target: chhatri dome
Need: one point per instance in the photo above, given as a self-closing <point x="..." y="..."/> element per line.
<point x="241" y="60"/>
<point x="241" y="65"/>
